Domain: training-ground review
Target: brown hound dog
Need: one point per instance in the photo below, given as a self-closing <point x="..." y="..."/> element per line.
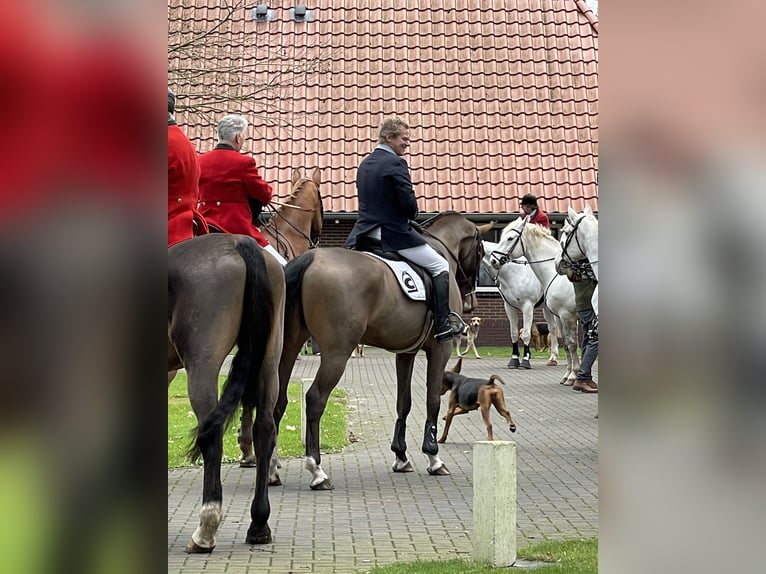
<point x="468" y="394"/>
<point x="470" y="338"/>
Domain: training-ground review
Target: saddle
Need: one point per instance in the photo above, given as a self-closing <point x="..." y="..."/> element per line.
<point x="399" y="265"/>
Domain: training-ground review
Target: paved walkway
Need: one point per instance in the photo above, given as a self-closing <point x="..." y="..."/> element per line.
<point x="377" y="517"/>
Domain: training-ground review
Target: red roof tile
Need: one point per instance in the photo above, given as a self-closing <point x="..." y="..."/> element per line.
<point x="501" y="96"/>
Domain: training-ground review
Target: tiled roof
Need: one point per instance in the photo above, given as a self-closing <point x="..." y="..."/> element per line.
<point x="501" y="95"/>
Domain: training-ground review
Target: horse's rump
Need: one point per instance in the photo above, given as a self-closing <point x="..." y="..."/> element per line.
<point x="345" y="293"/>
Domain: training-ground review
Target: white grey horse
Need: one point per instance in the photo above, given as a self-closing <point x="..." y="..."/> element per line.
<point x="536" y="243"/>
<point x="579" y="241"/>
<point x="521" y="292"/>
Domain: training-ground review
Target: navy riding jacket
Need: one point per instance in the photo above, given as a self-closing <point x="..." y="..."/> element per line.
<point x="386" y="199"/>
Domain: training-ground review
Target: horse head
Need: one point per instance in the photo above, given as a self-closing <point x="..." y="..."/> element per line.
<point x="462" y="240"/>
<point x="510" y="245"/>
<point x="579" y="235"/>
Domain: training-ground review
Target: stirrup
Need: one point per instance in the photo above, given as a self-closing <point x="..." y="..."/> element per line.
<point x="462" y="324"/>
<point x="457" y="327"/>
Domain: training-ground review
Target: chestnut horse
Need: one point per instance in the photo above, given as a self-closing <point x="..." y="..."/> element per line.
<point x="293" y="229"/>
<point x="295" y="226"/>
<point x="342" y="298"/>
<point x="223" y="289"/>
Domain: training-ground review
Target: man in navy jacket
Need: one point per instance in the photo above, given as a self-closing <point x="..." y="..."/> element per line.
<point x="386" y="206"/>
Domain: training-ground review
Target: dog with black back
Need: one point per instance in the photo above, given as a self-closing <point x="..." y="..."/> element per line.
<point x="468" y="394"/>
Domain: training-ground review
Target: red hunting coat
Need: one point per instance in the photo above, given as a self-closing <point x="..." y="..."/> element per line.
<point x="540" y="218"/>
<point x="226" y="181"/>
<point x="183" y="190"/>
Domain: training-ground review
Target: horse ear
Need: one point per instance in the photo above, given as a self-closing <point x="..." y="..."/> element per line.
<point x="587" y="210"/>
<point x="296" y="175"/>
<point x="317" y="177"/>
<point x="572" y="213"/>
<point x="485" y="228"/>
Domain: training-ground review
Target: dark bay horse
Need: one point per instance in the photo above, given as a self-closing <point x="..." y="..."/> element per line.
<point x="341" y="298"/>
<point x="223" y="289"/>
<point x="293" y="229"/>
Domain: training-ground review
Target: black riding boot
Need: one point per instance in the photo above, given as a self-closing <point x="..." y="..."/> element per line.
<point x="443" y="328"/>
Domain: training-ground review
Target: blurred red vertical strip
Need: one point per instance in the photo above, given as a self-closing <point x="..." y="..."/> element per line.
<point x="77" y="115"/>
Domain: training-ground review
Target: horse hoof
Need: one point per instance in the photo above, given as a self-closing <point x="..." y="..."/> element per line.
<point x="275" y="481"/>
<point x="262" y="536"/>
<point x="407" y="467"/>
<point x="525" y="364"/>
<point x="247" y="464"/>
<point x="566" y="383"/>
<point x="513" y="364"/>
<point x="552" y="363"/>
<point x="324" y="485"/>
<point x="194" y="548"/>
<point x="441" y="471"/>
<point x="512" y="428"/>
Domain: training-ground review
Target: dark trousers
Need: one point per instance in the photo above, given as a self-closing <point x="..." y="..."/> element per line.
<point x="589" y="346"/>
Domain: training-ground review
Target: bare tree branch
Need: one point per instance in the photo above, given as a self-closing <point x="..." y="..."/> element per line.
<point x="214" y="65"/>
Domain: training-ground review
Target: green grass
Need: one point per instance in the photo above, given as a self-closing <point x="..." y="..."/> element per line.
<point x="508" y="351"/>
<point x="566" y="557"/>
<point x="181" y="421"/>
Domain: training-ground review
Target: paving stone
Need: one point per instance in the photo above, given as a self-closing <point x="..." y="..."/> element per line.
<point x="381" y="517"/>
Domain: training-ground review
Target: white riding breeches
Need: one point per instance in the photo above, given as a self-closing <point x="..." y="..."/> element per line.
<point x="276" y="254"/>
<point x="427" y="257"/>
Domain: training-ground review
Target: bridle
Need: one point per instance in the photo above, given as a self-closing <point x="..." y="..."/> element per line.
<point x="504" y="257"/>
<point x="313" y="238"/>
<point x="581" y="266"/>
<point x="462" y="278"/>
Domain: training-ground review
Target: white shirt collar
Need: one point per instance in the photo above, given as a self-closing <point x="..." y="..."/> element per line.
<point x="385" y="147"/>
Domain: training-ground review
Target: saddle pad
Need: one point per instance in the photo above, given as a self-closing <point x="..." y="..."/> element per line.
<point x="409" y="281"/>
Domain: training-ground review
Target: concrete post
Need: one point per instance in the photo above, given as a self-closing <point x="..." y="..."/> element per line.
<point x="494" y="502"/>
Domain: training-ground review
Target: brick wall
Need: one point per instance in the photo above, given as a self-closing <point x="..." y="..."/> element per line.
<point x="335" y="234"/>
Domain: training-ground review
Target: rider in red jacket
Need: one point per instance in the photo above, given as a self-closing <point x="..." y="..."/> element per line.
<point x="530" y="209"/>
<point x="231" y="191"/>
<point x="183" y="177"/>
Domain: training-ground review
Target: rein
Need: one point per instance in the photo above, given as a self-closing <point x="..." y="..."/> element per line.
<point x="582" y="266"/>
<point x="505" y="256"/>
<point x="271" y="226"/>
<point x="463" y="278"/>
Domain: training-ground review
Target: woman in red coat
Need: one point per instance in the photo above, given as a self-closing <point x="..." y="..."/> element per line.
<point x="183" y="178"/>
<point x="530" y="209"/>
<point x="231" y="191"/>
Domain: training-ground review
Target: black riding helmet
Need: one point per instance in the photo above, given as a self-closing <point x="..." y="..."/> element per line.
<point x="171" y="102"/>
<point x="529" y="199"/>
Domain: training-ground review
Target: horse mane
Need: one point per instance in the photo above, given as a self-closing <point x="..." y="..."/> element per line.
<point x="298" y="188"/>
<point x="431" y="220"/>
<point x="293" y="197"/>
<point x="538" y="230"/>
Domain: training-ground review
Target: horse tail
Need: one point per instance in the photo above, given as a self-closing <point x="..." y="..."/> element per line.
<point x="254" y="331"/>
<point x="294" y="272"/>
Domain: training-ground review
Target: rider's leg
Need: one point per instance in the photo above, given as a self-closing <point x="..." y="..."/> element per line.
<point x="430" y="259"/>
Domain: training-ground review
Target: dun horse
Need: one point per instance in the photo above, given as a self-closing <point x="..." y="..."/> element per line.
<point x="222" y="290"/>
<point x="293" y="229"/>
<point x="341" y="298"/>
